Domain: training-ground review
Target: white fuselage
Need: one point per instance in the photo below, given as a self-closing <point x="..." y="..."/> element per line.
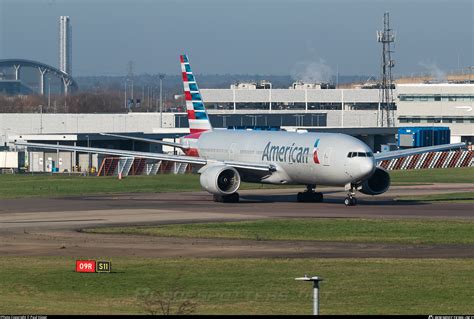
<point x="299" y="158"/>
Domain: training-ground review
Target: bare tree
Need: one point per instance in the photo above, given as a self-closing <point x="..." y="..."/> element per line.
<point x="173" y="302"/>
<point x="155" y="302"/>
<point x="81" y="102"/>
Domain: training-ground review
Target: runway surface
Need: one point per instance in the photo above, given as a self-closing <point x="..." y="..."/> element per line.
<point x="49" y="226"/>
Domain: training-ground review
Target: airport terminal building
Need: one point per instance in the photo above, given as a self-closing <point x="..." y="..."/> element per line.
<point x="353" y="111"/>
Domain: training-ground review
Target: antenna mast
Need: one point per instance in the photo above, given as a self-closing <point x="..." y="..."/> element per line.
<point x="386" y="37"/>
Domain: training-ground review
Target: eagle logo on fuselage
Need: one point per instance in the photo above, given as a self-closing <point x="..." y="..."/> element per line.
<point x="315" y="152"/>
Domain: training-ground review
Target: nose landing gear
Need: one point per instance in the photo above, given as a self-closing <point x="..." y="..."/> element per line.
<point x="350" y="200"/>
<point x="309" y="195"/>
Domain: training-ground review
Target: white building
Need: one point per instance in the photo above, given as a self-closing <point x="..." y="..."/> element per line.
<point x="418" y="105"/>
<point x="441" y="104"/>
<point x="299" y="85"/>
<point x="251" y="85"/>
<point x="244" y="86"/>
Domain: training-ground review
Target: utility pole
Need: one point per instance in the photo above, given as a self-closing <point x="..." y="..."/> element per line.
<point x="162" y="76"/>
<point x="125" y="96"/>
<point x="386" y="37"/>
<point x="88" y="155"/>
<point x="41" y="119"/>
<point x="49" y="93"/>
<point x="130" y="78"/>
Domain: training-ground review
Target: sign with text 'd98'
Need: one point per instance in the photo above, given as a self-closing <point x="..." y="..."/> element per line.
<point x="85" y="265"/>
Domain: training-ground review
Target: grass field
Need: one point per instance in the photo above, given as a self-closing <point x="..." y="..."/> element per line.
<point x="49" y="285"/>
<point x="17" y="186"/>
<point x="406" y="231"/>
<point x="438" y="175"/>
<point x="239" y="286"/>
<point x="465" y="197"/>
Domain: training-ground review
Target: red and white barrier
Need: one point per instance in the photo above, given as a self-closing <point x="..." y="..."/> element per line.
<point x="430" y="160"/>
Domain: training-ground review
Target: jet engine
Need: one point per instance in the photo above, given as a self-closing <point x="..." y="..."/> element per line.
<point x="220" y="179"/>
<point x="377" y="184"/>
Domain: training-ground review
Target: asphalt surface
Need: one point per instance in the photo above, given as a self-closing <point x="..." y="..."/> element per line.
<point x="51" y="226"/>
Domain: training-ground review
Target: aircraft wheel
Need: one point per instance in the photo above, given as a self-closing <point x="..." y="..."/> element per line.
<point x="318" y="197"/>
<point x="309" y="197"/>
<point x="350" y="201"/>
<point x="300" y="197"/>
<point x="232" y="198"/>
<point x="353" y="201"/>
<point x="347" y="201"/>
<point x="305" y="197"/>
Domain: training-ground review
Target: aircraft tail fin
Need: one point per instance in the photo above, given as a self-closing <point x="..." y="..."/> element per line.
<point x="197" y="115"/>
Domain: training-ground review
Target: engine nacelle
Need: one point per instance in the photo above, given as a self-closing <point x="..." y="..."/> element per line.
<point x="377" y="184"/>
<point x="220" y="179"/>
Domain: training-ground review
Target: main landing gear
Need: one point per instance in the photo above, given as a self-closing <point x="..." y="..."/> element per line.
<point x="350" y="200"/>
<point x="309" y="195"/>
<point x="232" y="198"/>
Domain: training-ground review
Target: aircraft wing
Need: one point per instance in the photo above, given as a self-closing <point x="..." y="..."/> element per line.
<point x="419" y="150"/>
<point x="156" y="156"/>
<point x="142" y="139"/>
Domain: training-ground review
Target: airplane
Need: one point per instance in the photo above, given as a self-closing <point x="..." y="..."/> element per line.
<point x="227" y="157"/>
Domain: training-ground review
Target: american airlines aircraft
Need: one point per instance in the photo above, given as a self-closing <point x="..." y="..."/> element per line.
<point x="225" y="157"/>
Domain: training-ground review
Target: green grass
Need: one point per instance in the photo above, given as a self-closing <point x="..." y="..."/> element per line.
<point x="48" y="285"/>
<point x="20" y="186"/>
<point x="438" y="175"/>
<point x="403" y="231"/>
<point x="464" y="197"/>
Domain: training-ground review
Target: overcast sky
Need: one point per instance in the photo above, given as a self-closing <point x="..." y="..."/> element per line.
<point x="278" y="37"/>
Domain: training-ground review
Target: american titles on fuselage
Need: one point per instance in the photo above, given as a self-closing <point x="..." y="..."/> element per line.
<point x="285" y="154"/>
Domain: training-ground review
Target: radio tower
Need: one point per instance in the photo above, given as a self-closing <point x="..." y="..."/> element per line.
<point x="386" y="37"/>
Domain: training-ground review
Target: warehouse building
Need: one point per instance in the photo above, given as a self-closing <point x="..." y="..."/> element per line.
<point x="442" y="104"/>
<point x="301" y="107"/>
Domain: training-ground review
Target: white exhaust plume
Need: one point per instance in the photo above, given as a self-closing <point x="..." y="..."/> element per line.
<point x="315" y="71"/>
<point x="434" y="71"/>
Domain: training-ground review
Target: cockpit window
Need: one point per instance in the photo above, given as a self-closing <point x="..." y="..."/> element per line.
<point x="360" y="154"/>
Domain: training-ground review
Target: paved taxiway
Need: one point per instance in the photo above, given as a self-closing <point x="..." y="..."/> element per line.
<point x="48" y="226"/>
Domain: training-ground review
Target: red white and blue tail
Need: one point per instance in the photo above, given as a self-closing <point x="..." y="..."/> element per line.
<point x="197" y="116"/>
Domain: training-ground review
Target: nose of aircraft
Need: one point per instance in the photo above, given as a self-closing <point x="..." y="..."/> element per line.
<point x="367" y="167"/>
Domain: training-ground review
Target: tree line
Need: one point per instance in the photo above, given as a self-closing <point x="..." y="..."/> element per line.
<point x="81" y="102"/>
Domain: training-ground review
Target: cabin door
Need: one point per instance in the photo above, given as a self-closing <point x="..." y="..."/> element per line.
<point x="327" y="156"/>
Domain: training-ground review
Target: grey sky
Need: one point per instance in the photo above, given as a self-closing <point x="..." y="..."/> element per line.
<point x="240" y="36"/>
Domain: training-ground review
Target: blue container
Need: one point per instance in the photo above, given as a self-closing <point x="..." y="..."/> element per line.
<point x="421" y="136"/>
<point x="441" y="135"/>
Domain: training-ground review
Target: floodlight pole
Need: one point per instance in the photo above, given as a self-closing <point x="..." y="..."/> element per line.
<point x="161" y="76"/>
<point x="316" y="280"/>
